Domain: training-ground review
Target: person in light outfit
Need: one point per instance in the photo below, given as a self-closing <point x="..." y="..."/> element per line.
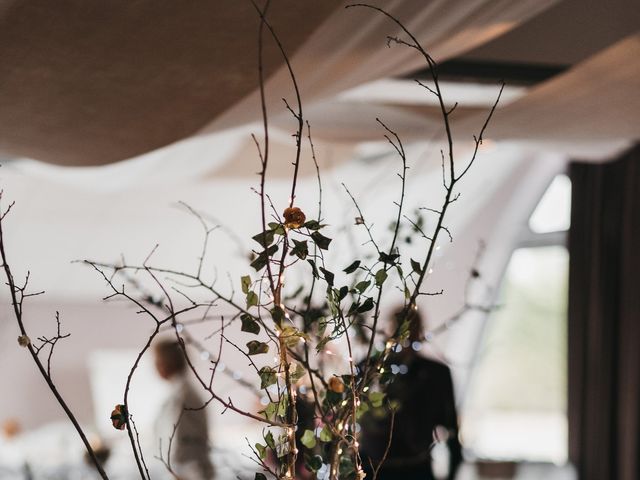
<point x="181" y="418"/>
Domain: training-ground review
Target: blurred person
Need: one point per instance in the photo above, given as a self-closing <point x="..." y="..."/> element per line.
<point x="422" y="390"/>
<point x="188" y="429"/>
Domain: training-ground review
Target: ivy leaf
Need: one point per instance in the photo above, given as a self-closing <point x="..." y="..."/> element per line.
<point x="277" y="228"/>
<point x="313" y="463"/>
<point x="297" y="373"/>
<point x="342" y="293"/>
<point x="381" y="276"/>
<point x="270" y="441"/>
<point x="264" y="238"/>
<point x="366" y="306"/>
<point x="246" y="283"/>
<point x="277" y="313"/>
<point x="249" y="324"/>
<point x="320" y="240"/>
<point x="328" y="276"/>
<point x="325" y="434"/>
<point x="362" y="286"/>
<point x="270" y="411"/>
<point x="308" y="439"/>
<point x="255" y="347"/>
<point x="252" y="299"/>
<point x="376" y="399"/>
<point x="416" y="266"/>
<point x="313" y="225"/>
<point x="314" y="269"/>
<point x="322" y="343"/>
<point x="300" y="249"/>
<point x="261" y="260"/>
<point x="388" y="258"/>
<point x="262" y="453"/>
<point x="267" y="376"/>
<point x="291" y="336"/>
<point x="353" y="267"/>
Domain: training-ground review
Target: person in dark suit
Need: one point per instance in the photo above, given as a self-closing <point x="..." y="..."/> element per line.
<point x="422" y="393"/>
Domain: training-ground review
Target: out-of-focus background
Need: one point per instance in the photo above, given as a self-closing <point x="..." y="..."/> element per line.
<point x="113" y="112"/>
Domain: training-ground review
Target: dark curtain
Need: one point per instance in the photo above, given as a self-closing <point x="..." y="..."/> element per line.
<point x="604" y="319"/>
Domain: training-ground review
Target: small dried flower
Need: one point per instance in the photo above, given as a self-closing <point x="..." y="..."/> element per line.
<point x="119" y="417"/>
<point x="359" y="220"/>
<point x="294" y="217"/>
<point x="336" y="385"/>
<point x="24" y="341"/>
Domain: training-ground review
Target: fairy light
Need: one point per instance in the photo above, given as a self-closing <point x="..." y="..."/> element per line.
<point x="356" y="444"/>
<point x="381" y="369"/>
<point x="365" y="389"/>
<point x="340" y="425"/>
<point x="339" y="451"/>
<point x="344" y="402"/>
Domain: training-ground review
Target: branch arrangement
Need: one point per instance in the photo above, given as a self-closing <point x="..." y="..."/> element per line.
<point x="310" y="421"/>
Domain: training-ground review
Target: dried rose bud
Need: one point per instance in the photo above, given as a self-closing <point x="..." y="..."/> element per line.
<point x="294" y="217"/>
<point x="336" y="385"/>
<point x="24" y="341"/>
<point x="359" y="220"/>
<point x="119" y="417"/>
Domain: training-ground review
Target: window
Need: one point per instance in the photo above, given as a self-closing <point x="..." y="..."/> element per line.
<point x="515" y="408"/>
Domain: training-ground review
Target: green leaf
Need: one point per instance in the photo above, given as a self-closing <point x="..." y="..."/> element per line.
<point x="249" y="324"/>
<point x="325" y="434"/>
<point x="277" y="228"/>
<point x="264" y="238"/>
<point x="376" y="399"/>
<point x="282" y="406"/>
<point x="246" y="283"/>
<point x="362" y="286"/>
<point x="297" y="373"/>
<point x="322" y="343"/>
<point x="308" y="439"/>
<point x="313" y="463"/>
<point x="388" y="258"/>
<point x="416" y="266"/>
<point x="255" y="347"/>
<point x="320" y="240"/>
<point x="271" y="443"/>
<point x="366" y="306"/>
<point x="314" y="269"/>
<point x="328" y="276"/>
<point x="381" y="276"/>
<point x="342" y="293"/>
<point x="252" y="299"/>
<point x="313" y="225"/>
<point x="353" y="267"/>
<point x="277" y="313"/>
<point x="262" y="453"/>
<point x="267" y="377"/>
<point x="291" y="336"/>
<point x="261" y="260"/>
<point x="270" y="411"/>
<point x="260" y="476"/>
<point x="300" y="249"/>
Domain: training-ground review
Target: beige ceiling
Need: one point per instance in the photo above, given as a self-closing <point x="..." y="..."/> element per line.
<point x="84" y="78"/>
